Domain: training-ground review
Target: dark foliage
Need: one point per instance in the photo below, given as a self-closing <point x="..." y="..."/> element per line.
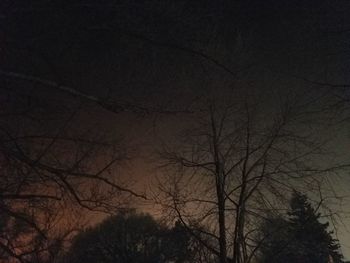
<point x="301" y="237"/>
<point x="130" y="237"/>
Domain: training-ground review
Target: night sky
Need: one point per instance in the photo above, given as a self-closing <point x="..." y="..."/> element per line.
<point x="135" y="70"/>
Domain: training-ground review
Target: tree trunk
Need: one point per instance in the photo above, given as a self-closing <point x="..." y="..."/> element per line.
<point x="238" y="241"/>
<point x="222" y="224"/>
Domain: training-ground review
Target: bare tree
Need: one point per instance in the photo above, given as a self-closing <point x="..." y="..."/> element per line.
<point x="237" y="163"/>
<point x="51" y="165"/>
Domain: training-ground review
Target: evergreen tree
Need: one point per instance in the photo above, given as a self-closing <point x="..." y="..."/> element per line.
<point x="300" y="237"/>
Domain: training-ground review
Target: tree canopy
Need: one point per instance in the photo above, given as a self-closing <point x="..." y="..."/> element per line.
<point x="300" y="237"/>
<point x="131" y="237"/>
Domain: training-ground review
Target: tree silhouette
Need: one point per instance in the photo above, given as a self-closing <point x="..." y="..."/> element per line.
<point x="131" y="237"/>
<point x="49" y="169"/>
<point x="241" y="165"/>
<point x="301" y="237"/>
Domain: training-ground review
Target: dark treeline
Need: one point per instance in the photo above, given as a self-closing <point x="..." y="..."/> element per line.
<point x="299" y="235"/>
<point x="219" y="115"/>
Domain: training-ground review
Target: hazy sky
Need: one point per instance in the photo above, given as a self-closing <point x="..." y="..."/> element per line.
<point x="170" y="53"/>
